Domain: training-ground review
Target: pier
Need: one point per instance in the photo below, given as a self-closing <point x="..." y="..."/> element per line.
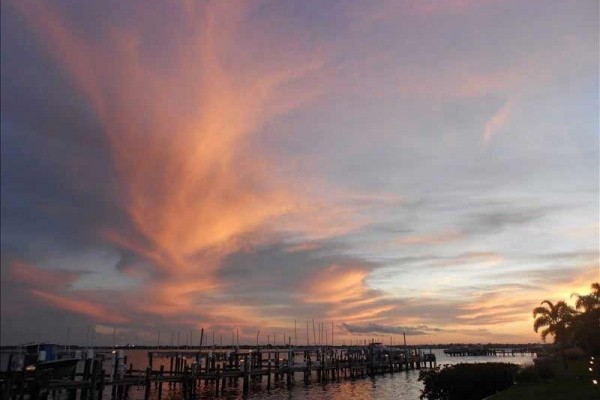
<point x="216" y="371"/>
<point x="488" y="351"/>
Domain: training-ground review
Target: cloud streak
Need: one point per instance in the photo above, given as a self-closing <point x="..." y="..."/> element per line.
<point x="497" y="122"/>
<point x="385" y="329"/>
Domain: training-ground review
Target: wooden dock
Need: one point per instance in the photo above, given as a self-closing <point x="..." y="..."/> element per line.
<point x="217" y="371"/>
<point x="489" y="351"/>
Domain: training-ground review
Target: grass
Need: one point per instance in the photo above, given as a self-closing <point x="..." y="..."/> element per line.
<point x="573" y="383"/>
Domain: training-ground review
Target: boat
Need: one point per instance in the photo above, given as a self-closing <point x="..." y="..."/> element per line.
<point x="44" y="358"/>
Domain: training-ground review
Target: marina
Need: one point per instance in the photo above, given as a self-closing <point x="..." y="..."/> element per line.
<point x="108" y="374"/>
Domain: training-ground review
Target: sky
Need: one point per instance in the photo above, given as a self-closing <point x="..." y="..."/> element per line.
<point x="375" y="168"/>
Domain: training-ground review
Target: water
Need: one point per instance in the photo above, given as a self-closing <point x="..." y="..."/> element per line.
<point x="400" y="385"/>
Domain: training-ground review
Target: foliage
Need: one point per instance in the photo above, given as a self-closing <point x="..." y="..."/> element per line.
<point x="545" y="367"/>
<point x="527" y="375"/>
<point x="573" y="383"/>
<point x="586" y="321"/>
<point x="579" y="326"/>
<point x="466" y="381"/>
<point x="574" y="353"/>
<point x="554" y="318"/>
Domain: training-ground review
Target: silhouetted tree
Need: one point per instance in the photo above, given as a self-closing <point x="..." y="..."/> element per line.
<point x="555" y="319"/>
<point x="586" y="322"/>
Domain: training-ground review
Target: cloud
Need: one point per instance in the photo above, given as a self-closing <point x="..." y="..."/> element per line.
<point x="431" y="239"/>
<point x="504" y="216"/>
<point x="35" y="277"/>
<point x="389" y="329"/>
<point x="496" y="123"/>
<point x="80" y="306"/>
<point x="167" y="150"/>
<point x="180" y="139"/>
<point x="192" y="185"/>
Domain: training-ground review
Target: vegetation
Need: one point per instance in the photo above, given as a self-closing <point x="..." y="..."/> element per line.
<point x="556" y="320"/>
<point x="586" y="321"/>
<point x="466" y="381"/>
<point x="579" y="326"/>
<point x="572" y="383"/>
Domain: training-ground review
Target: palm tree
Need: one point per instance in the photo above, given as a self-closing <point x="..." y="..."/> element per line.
<point x="586" y="323"/>
<point x="555" y="319"/>
<point x="589" y="302"/>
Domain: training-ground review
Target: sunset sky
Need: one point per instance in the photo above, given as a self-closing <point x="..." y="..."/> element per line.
<point x="387" y="166"/>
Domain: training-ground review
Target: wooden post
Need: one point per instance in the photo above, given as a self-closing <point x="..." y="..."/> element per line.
<point x="102" y="384"/>
<point x="246" y="380"/>
<point x="269" y="375"/>
<point x="86" y="377"/>
<point x="160" y="383"/>
<point x="223" y="380"/>
<point x="10" y="377"/>
<point x="147" y="383"/>
<point x="217" y="375"/>
<point x="94" y="376"/>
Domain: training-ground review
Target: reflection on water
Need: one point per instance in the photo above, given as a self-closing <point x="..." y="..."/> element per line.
<point x="400" y="385"/>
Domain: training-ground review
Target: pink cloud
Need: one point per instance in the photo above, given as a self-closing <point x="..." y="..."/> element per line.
<point x="92" y="310"/>
<point x="496" y="123"/>
<point x="36" y="277"/>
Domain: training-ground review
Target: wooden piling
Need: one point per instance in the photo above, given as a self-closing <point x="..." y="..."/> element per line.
<point x="246" y="380"/>
<point x="147" y="383"/>
<point x="160" y="382"/>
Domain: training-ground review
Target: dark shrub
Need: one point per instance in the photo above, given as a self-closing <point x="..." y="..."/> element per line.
<point x="528" y="374"/>
<point x="545" y="367"/>
<point x="575" y="353"/>
<point x="466" y="381"/>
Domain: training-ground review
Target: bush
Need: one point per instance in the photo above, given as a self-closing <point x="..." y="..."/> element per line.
<point x="527" y="374"/>
<point x="545" y="367"/>
<point x="574" y="353"/>
<point x="466" y="381"/>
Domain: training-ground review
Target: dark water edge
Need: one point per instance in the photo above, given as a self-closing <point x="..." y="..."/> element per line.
<point x="403" y="385"/>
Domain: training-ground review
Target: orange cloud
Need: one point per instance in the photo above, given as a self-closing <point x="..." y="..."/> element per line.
<point x="495" y="124"/>
<point x="336" y="283"/>
<point x="95" y="311"/>
<point x="181" y="136"/>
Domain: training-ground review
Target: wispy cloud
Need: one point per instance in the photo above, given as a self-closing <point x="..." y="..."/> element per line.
<point x="430" y="239"/>
<point x="77" y="305"/>
<point x="229" y="165"/>
<point x="389" y="329"/>
<point x="496" y="122"/>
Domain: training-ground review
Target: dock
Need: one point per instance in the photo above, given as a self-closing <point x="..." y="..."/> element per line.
<point x="216" y="371"/>
<point x="489" y="351"/>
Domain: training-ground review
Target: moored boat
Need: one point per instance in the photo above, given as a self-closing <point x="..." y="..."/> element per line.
<point x="44" y="357"/>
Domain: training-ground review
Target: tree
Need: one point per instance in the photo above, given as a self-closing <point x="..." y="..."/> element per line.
<point x="556" y="320"/>
<point x="586" y="321"/>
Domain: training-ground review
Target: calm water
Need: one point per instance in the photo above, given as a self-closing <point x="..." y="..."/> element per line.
<point x="400" y="385"/>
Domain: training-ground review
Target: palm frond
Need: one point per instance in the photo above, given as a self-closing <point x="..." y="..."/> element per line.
<point x="545" y="333"/>
<point x="541" y="321"/>
<point x="541" y="311"/>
